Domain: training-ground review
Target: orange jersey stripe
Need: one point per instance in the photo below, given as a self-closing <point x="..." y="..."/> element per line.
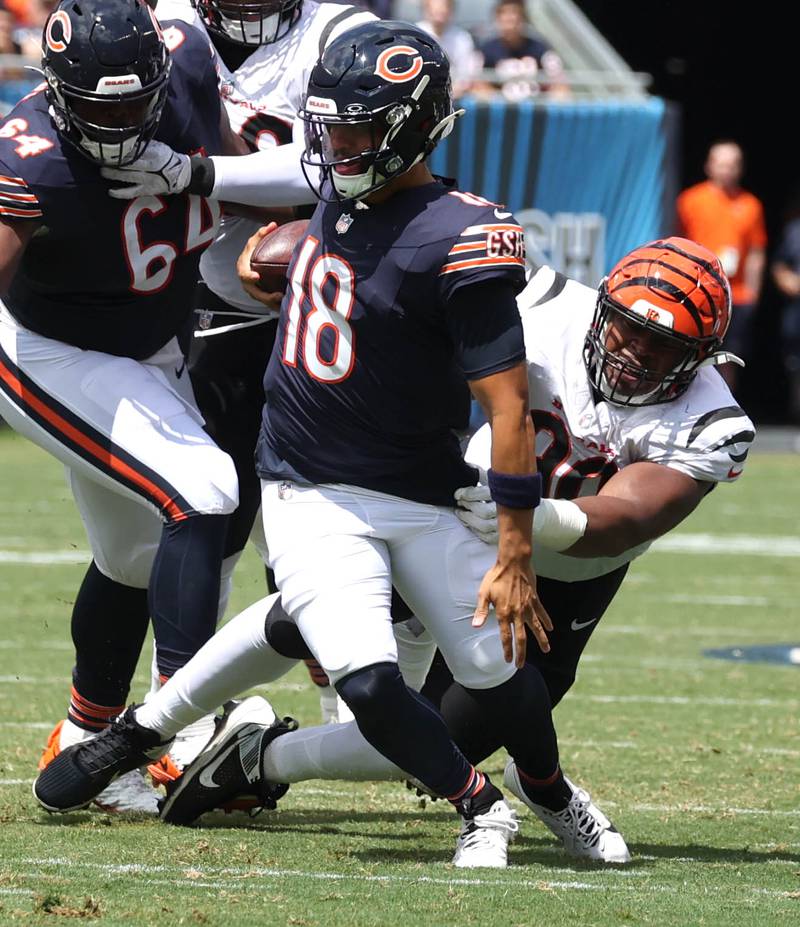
<point x="19" y="197"/>
<point x="468" y="246"/>
<point x="14" y="181"/>
<point x="21" y="213"/>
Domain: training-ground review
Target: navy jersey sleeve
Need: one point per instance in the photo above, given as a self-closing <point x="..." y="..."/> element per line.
<point x="486" y="328"/>
<point x="194" y="82"/>
<point x="490" y="246"/>
<point x="17" y="199"/>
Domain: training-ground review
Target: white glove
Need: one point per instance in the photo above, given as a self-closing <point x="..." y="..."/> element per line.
<point x="159" y="171"/>
<point x="557" y="523"/>
<point x="478" y="512"/>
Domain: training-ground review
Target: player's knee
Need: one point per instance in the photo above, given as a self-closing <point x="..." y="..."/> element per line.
<point x="218" y="493"/>
<point x="478" y="663"/>
<point x="371" y="693"/>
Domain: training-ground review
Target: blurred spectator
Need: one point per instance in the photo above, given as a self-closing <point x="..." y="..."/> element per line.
<point x="381" y="8"/>
<point x="457" y="43"/>
<point x="30" y="37"/>
<point x="729" y="220"/>
<point x="526" y="64"/>
<point x="8" y="44"/>
<point x="785" y="271"/>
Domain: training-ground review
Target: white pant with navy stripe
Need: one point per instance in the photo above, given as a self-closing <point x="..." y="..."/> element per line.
<point x="129" y="433"/>
<point x="337" y="550"/>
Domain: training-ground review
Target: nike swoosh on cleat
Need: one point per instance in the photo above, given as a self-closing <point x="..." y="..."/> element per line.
<point x="501" y="215"/>
<point x="179" y="370"/>
<point x="732" y="474"/>
<point x="580" y="625"/>
<point x="206" y="777"/>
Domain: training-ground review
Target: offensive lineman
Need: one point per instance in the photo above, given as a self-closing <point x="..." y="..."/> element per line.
<point x="264" y="52"/>
<point x="637" y="454"/>
<point x="94" y="292"/>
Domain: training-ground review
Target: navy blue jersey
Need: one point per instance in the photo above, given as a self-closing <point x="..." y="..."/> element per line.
<point x="373" y="347"/>
<point x="111" y="275"/>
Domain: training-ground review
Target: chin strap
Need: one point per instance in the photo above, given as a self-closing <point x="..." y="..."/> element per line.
<point x="720" y="357"/>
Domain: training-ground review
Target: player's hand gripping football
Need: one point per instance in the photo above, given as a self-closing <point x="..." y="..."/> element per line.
<point x="249" y="278"/>
<point x="510" y="588"/>
<point x="159" y="171"/>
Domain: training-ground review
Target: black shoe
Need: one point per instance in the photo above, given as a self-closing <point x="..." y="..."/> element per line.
<point x="230" y="766"/>
<point x="81" y="772"/>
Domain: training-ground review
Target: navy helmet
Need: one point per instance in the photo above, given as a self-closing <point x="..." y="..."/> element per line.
<point x="249" y="22"/>
<point x="391" y="80"/>
<point x="106" y="67"/>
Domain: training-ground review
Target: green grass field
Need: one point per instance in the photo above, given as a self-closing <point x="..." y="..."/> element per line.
<point x="697" y="760"/>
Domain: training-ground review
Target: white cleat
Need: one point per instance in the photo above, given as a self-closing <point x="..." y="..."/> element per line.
<point x="583" y="828"/>
<point x="484" y="838"/>
<point x="186" y="747"/>
<point x="131" y="792"/>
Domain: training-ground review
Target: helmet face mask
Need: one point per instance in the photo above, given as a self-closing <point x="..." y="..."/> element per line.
<point x="378" y="102"/>
<point x="249" y="22"/>
<point x="661" y="314"/>
<point x="109" y="112"/>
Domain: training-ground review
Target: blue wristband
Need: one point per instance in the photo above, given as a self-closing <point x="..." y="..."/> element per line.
<point x="516" y="490"/>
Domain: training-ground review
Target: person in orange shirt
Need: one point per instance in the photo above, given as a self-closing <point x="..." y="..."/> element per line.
<point x="729" y="220"/>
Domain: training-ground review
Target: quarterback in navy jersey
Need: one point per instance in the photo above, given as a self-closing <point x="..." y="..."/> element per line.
<point x="94" y="293"/>
<point x="400" y="314"/>
<point x="402" y="293"/>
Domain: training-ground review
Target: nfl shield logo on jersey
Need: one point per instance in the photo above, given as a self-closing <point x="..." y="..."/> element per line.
<point x="343" y="223"/>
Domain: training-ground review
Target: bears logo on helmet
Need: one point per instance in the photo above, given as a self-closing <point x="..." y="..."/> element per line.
<point x="661" y="313"/>
<point x="108" y="91"/>
<point x="378" y="103"/>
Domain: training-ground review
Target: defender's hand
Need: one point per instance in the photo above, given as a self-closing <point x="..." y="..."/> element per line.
<point x="511" y="589"/>
<point x="159" y="171"/>
<point x="476" y="509"/>
<point x="249" y="278"/>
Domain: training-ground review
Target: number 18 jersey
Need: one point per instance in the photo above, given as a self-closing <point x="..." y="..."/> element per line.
<point x="363" y="382"/>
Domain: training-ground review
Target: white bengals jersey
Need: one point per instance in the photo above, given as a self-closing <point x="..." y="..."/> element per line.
<point x="262" y="98"/>
<point x="581" y="443"/>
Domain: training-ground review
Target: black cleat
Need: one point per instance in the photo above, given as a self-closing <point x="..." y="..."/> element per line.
<point x="81" y="772"/>
<point x="230" y="767"/>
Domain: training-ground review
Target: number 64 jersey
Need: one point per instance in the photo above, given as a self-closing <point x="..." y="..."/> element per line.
<point x="582" y="440"/>
<point x="110" y="275"/>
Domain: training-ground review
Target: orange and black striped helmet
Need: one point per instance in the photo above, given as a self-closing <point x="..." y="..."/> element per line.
<point x="662" y="311"/>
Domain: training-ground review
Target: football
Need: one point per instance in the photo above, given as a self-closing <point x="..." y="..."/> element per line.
<point x="272" y="255"/>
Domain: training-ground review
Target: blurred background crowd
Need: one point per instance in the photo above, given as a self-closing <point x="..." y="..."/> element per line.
<point x="733" y="186"/>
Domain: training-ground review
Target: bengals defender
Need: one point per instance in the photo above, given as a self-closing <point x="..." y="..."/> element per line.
<point x="94" y="292"/>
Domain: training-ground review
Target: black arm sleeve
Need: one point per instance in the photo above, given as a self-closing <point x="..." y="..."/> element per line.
<point x="484" y="323"/>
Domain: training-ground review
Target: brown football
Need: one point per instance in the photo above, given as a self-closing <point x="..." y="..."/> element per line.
<point x="273" y="254"/>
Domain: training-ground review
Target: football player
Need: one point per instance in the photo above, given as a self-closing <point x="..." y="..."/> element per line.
<point x="94" y="291"/>
<point x="384" y="321"/>
<point x="636" y="430"/>
<point x="264" y="52"/>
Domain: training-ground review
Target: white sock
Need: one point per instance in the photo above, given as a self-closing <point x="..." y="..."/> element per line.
<point x="236" y="658"/>
<point x="330" y="751"/>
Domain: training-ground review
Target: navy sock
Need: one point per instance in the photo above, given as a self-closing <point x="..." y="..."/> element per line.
<point x="184" y="588"/>
<point x="552" y="792"/>
<point x="408" y="730"/>
<point x="519" y="714"/>
<point x="109" y="623"/>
